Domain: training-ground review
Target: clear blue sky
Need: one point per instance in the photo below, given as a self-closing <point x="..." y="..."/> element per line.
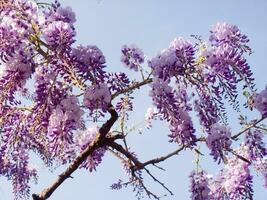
<point x="152" y="25"/>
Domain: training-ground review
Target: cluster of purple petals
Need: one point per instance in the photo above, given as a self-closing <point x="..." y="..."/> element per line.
<point x="58" y="13"/>
<point x="20" y="66"/>
<point x="59" y="35"/>
<point x="21" y="173"/>
<point x="260" y="165"/>
<point x="182" y="129"/>
<point x="199" y="186"/>
<point x="132" y="57"/>
<point x="219" y="141"/>
<point x="224" y="33"/>
<point x="206" y="111"/>
<point x="83" y="141"/>
<point x="254" y="141"/>
<point x="43" y="79"/>
<point x="117" y="81"/>
<point x="151" y="114"/>
<point x="237" y="178"/>
<point x="10" y="42"/>
<point x="174" y="60"/>
<point x="63" y="121"/>
<point x="260" y="102"/>
<point x="97" y="97"/>
<point x="234" y="181"/>
<point x="15" y="73"/>
<point x="89" y="62"/>
<point x="174" y="108"/>
<point x="29" y="15"/>
<point x="58" y="30"/>
<point x="227" y="68"/>
<point x="14" y="156"/>
<point x="162" y="96"/>
<point x="224" y="63"/>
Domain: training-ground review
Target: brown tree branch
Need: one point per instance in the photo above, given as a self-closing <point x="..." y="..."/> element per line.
<point x="98" y="142"/>
<point x="235" y="137"/>
<point x="139" y="165"/>
<point x="134" y="86"/>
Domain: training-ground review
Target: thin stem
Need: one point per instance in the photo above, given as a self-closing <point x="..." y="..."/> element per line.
<point x="235" y="137"/>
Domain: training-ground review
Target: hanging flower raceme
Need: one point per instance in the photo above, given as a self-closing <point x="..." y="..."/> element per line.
<point x="89" y="62"/>
<point x="16" y="72"/>
<point x="224" y="33"/>
<point x="59" y="13"/>
<point x="59" y="35"/>
<point x="260" y="165"/>
<point x="237" y="180"/>
<point x="10" y="41"/>
<point x="173" y="61"/>
<point x="219" y="141"/>
<point x="260" y="102"/>
<point x="173" y="107"/>
<point x="97" y="97"/>
<point x="206" y="111"/>
<point x="199" y="186"/>
<point x="21" y="173"/>
<point x="132" y="57"/>
<point x="151" y="114"/>
<point x="83" y="141"/>
<point x="64" y="120"/>
<point x="254" y="141"/>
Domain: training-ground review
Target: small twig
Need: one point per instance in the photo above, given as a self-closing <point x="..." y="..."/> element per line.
<point x="132" y="87"/>
<point x="148" y="192"/>
<point x="159" y="167"/>
<point x="159" y="182"/>
<point x="163" y="158"/>
<point x="262" y="128"/>
<point x="235" y="137"/>
<point x="240" y="157"/>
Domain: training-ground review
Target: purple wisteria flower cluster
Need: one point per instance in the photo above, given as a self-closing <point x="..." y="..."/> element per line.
<point x="85" y="139"/>
<point x="132" y="57"/>
<point x="54" y="94"/>
<point x="218" y="141"/>
<point x="232" y="182"/>
<point x="261" y="102"/>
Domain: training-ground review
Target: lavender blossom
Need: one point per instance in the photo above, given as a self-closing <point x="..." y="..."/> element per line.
<point x="260" y="102"/>
<point x="237" y="178"/>
<point x="254" y="141"/>
<point x="59" y="35"/>
<point x="83" y="141"/>
<point x="97" y="97"/>
<point x="173" y="61"/>
<point x="219" y="141"/>
<point x="260" y="166"/>
<point x="132" y="57"/>
<point x="64" y="119"/>
<point x="224" y="33"/>
<point x="199" y="186"/>
<point x="150" y="115"/>
<point x="89" y="62"/>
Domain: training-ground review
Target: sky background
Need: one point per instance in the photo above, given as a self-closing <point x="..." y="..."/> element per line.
<point x="152" y="25"/>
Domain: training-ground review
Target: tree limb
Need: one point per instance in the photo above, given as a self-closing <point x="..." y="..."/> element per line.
<point x="98" y="142"/>
<point x="235" y="137"/>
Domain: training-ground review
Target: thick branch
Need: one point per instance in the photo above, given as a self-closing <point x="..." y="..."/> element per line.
<point x="98" y="142"/>
<point x="126" y="153"/>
